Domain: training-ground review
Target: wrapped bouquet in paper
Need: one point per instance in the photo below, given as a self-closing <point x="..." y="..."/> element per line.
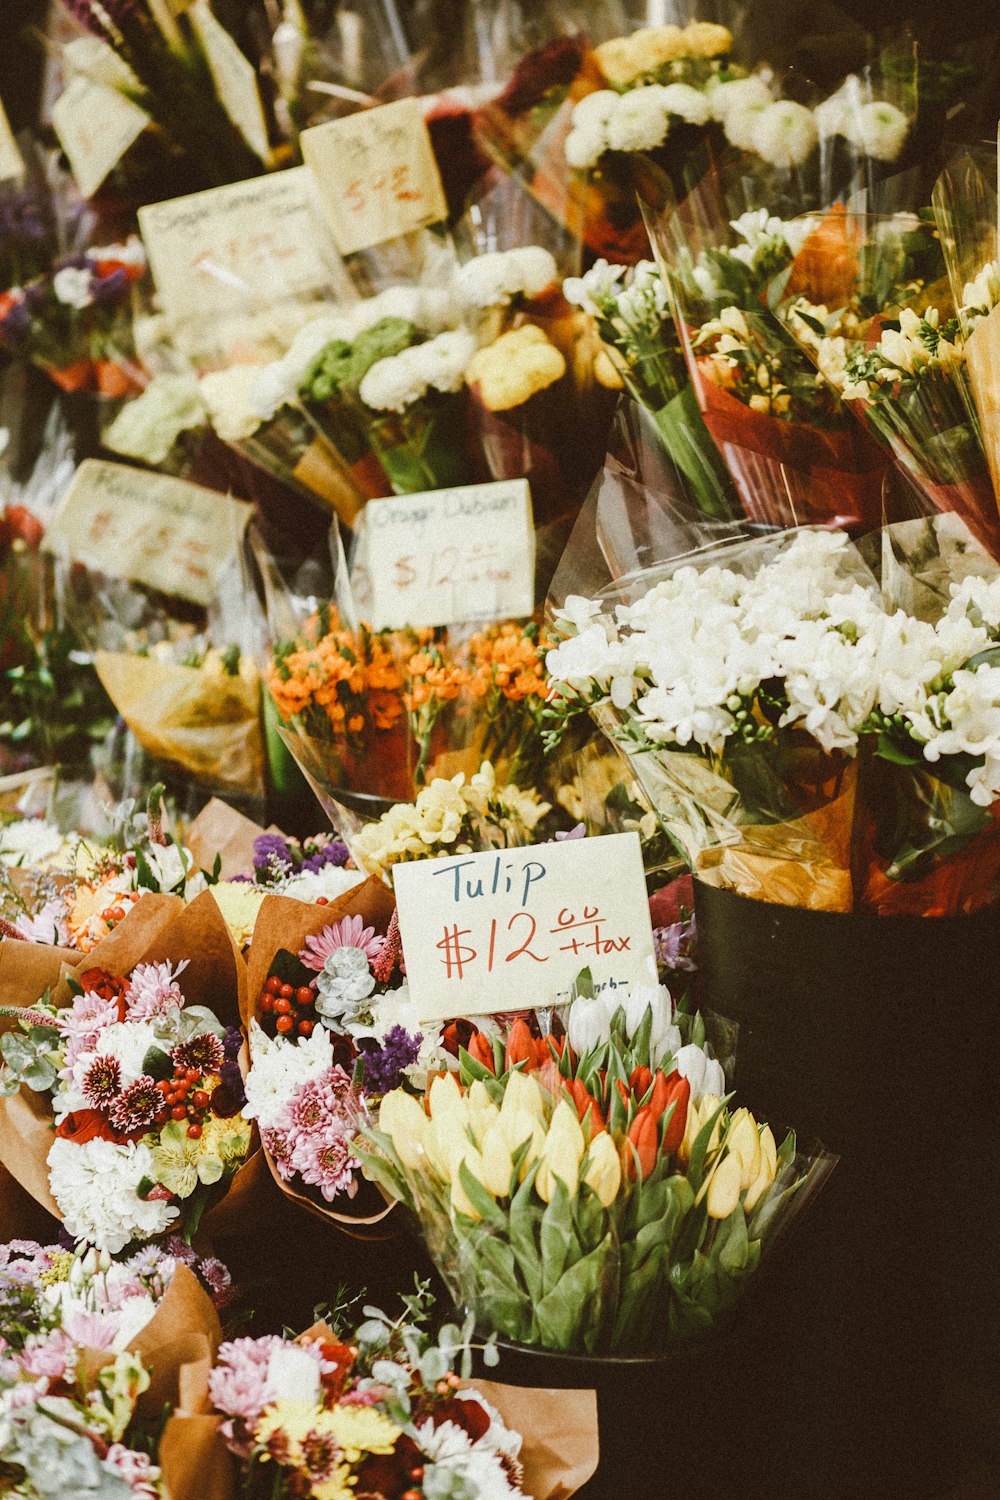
<point x="738" y="688"/>
<point x="591" y="1194"/>
<point x="796" y="454"/>
<point x="868" y="300"/>
<point x="123" y="1096"/>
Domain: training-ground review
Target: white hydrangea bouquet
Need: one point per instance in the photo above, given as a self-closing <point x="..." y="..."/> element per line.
<point x="746" y="692"/>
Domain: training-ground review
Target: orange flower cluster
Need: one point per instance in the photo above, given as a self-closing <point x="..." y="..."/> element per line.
<point x="510" y="659"/>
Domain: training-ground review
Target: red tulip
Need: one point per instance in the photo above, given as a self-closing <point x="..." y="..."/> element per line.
<point x="521" y="1047"/>
<point x="585" y="1102"/>
<point x="644" y="1135"/>
<point x="680" y="1098"/>
<point x="640" y="1080"/>
<point x="479" y="1047"/>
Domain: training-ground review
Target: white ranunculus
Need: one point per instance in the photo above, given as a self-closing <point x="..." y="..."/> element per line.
<point x="293" y="1375"/>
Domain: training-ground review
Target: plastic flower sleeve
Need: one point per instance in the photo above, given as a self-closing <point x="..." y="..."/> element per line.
<point x="926" y="841"/>
<point x="965" y="206"/>
<point x="795" y="454"/>
<point x="867" y="299"/>
<point x="586" y="1217"/>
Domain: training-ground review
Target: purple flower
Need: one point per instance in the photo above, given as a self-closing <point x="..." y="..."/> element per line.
<point x="271" y="849"/>
<point x="579" y="831"/>
<point x="229" y="1072"/>
<point x="107" y="289"/>
<point x="385" y="1061"/>
<point x="333" y="853"/>
<point x="675" y="946"/>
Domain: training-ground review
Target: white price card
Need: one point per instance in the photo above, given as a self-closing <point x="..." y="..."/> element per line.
<point x="376" y="173"/>
<point x="444" y="556"/>
<point x="511" y="928"/>
<point x="96" y="125"/>
<point x="163" y="532"/>
<point x="11" y="160"/>
<point x="216" y="252"/>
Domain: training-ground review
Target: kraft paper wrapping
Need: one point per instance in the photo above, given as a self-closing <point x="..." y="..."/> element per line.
<point x="285" y="923"/>
<point x="982" y="352"/>
<point x="560" y="1450"/>
<point x="207" y="724"/>
<point x="220" y="830"/>
<point x="157" y="928"/>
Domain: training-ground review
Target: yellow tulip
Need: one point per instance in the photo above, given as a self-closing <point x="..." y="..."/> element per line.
<point x="460" y="1200"/>
<point x="521" y="1092"/>
<point x="698" y="1116"/>
<point x="769" y="1150"/>
<point x="498" y="1165"/>
<point x="403" y="1119"/>
<point x="562" y="1153"/>
<point x="446" y="1142"/>
<point x="604" y="1169"/>
<point x="743" y="1142"/>
<point x="724" y="1188"/>
<point x="768" y="1170"/>
<point x="445" y="1096"/>
<point x="482" y="1111"/>
<point x="517" y="1126"/>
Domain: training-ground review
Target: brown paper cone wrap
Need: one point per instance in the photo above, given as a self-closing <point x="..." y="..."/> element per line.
<point x="285" y="923"/>
<point x="194" y="1461"/>
<point x="208" y="725"/>
<point x="183" y="1335"/>
<point x="220" y="830"/>
<point x="560" y="1449"/>
<point x="156" y="929"/>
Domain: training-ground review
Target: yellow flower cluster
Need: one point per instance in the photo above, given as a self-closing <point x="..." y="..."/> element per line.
<point x="467" y="1128"/>
<point x="626" y="58"/>
<point x="441" y="819"/>
<point x="298" y="1430"/>
<point x="518" y="365"/>
<point x="746" y="1157"/>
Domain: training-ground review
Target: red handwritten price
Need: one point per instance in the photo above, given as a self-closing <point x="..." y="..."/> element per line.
<point x="462" y="948"/>
<point x="395" y="186"/>
<point x="453" y="567"/>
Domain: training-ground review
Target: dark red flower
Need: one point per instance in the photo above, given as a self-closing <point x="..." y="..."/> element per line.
<point x="84" y="1125"/>
<point x="667" y="905"/>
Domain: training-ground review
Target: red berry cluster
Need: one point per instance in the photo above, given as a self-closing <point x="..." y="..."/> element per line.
<point x="184" y="1100"/>
<point x="287" y="1004"/>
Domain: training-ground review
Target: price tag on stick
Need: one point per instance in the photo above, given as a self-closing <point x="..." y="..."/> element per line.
<point x="505" y="929"/>
<point x="376" y="173"/>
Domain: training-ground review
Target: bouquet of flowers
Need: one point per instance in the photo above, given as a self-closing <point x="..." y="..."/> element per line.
<point x="122" y="1093"/>
<point x="75" y="320"/>
<point x="641" y="351"/>
<point x="597" y="1203"/>
<point x="380" y="1414"/>
<point x="377" y="714"/>
<point x="866" y="299"/>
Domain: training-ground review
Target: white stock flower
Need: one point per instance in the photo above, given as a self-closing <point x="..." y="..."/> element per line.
<point x="395" y="383"/>
<point x="495" y="279"/>
<point x="595" y="288"/>
<point x="96" y="1187"/>
<point x="784" y="134"/>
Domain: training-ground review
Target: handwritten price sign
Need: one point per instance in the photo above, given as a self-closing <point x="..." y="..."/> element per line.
<point x="163" y="532"/>
<point x="96" y="125"/>
<point x="376" y="174"/>
<point x="446" y="556"/>
<point x="498" y="931"/>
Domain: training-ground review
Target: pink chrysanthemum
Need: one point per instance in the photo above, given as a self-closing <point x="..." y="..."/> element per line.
<point x="102" y="1082"/>
<point x="51" y="1359"/>
<point x="279" y="1147"/>
<point x="238" y="1384"/>
<point x="136" y="1469"/>
<point x="325" y="1161"/>
<point x="136" y="1106"/>
<point x="327" y="1098"/>
<point x="83" y="1023"/>
<point x="91" y="1329"/>
<point x="154" y="991"/>
<point x="349" y="932"/>
<point x="217" y="1278"/>
<point x="48" y="925"/>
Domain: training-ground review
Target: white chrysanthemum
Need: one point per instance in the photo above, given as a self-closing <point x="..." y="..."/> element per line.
<point x="278" y="1069"/>
<point x="595" y="110"/>
<point x="737" y="97"/>
<point x="227" y="395"/>
<point x="784" y="134"/>
<point x="686" y="102"/>
<point x="495" y="279"/>
<point x="429" y="308"/>
<point x="96" y="1187"/>
<point x="878" y="129"/>
<point x="640" y="120"/>
<point x="330" y="882"/>
<point x="395" y="383"/>
<point x="585" y="146"/>
<point x="277" y="384"/>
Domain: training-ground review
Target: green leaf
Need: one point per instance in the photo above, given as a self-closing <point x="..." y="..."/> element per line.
<point x="557" y="1237"/>
<point x="156" y="1064"/>
<point x="480" y="1199"/>
<point x="569" y="1316"/>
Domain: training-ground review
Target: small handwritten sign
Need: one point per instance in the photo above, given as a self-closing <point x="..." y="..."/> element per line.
<point x="96" y="125"/>
<point x="445" y="556"/>
<point x="163" y="532"/>
<point x="235" y="78"/>
<point x="11" y="160"/>
<point x="255" y="242"/>
<point x="377" y="175"/>
<point x="506" y="929"/>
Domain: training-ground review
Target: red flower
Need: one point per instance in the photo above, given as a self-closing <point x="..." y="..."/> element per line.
<point x="584" y="1102"/>
<point x="84" y="1125"/>
<point x="666" y="906"/>
<point x="640" y="1081"/>
<point x="679" y="1095"/>
<point x="521" y="1047"/>
<point x="479" y="1047"/>
<point x="387" y="1475"/>
<point x="100" y="982"/>
<point x="457" y="1035"/>
<point x="342" y="1356"/>
<point x="644" y="1135"/>
<point x="470" y="1415"/>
